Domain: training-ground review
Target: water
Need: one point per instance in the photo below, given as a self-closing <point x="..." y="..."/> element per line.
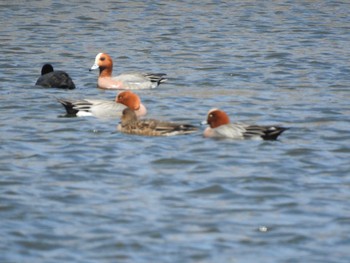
<point x="75" y="190"/>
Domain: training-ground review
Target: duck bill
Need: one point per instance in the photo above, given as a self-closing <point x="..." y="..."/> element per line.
<point x="204" y="123"/>
<point x="95" y="66"/>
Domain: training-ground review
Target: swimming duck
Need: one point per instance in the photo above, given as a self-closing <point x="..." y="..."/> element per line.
<point x="105" y="108"/>
<point x="132" y="125"/>
<point x="132" y="80"/>
<point x="220" y="127"/>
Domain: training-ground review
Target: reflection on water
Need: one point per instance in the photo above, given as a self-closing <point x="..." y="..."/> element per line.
<point x="75" y="190"/>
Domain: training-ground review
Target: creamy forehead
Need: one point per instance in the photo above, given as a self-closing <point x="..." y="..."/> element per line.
<point x="211" y="110"/>
<point x="98" y="57"/>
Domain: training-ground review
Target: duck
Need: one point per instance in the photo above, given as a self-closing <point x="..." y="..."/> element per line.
<point x="149" y="127"/>
<point x="221" y="127"/>
<point x="132" y="80"/>
<point x="104" y="108"/>
<point x="54" y="79"/>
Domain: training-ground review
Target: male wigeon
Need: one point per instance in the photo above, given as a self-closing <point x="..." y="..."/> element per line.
<point x="220" y="127"/>
<point x="105" y="108"/>
<point x="56" y="79"/>
<point x="132" y="125"/>
<point x="132" y="80"/>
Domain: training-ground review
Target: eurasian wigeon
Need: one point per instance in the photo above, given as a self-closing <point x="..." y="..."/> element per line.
<point x="55" y="79"/>
<point x="132" y="125"/>
<point x="220" y="127"/>
<point x="105" y="108"/>
<point x="132" y="80"/>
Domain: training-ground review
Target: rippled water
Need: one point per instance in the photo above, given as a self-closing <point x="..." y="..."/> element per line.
<point x="75" y="190"/>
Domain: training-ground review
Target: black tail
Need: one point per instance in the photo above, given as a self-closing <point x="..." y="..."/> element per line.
<point x="156" y="77"/>
<point x="69" y="106"/>
<point x="272" y="132"/>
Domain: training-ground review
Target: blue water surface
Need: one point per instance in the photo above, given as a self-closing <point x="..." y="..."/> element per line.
<point x="76" y="190"/>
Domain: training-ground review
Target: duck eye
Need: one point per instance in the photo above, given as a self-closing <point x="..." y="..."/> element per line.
<point x="102" y="59"/>
<point x="210" y="115"/>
